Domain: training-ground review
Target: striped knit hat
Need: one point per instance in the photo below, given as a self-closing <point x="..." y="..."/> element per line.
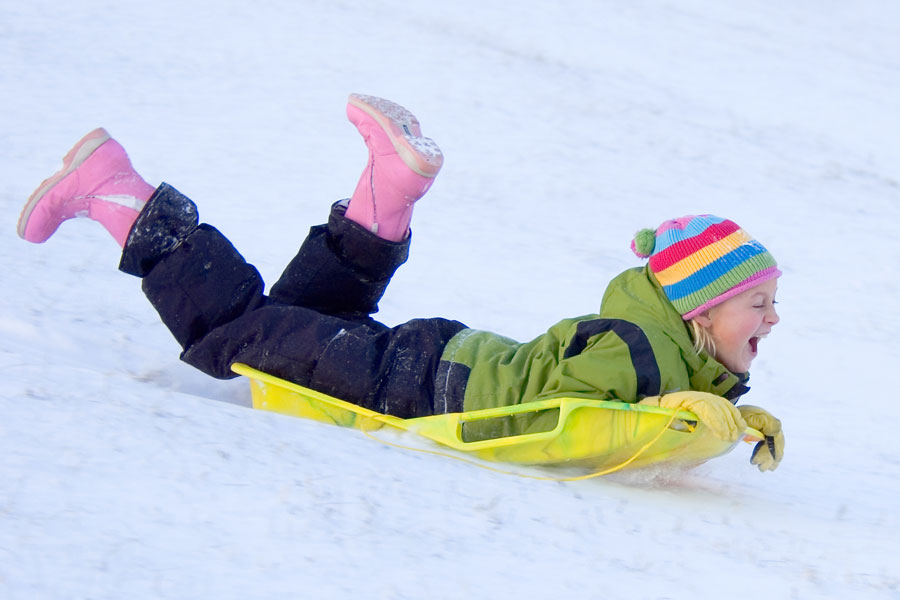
<point x="703" y="260"/>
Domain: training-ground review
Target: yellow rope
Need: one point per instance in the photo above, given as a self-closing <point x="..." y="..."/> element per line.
<point x="618" y="467"/>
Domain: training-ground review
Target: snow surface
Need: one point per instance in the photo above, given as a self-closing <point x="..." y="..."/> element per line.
<point x="566" y="127"/>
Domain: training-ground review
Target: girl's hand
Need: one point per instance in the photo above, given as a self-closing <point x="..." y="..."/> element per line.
<point x="768" y="453"/>
<point x="722" y="418"/>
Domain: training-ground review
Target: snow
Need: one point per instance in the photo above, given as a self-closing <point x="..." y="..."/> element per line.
<point x="566" y="128"/>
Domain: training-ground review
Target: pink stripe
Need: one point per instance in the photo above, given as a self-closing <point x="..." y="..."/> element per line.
<point x="755" y="280"/>
<point x="679" y="223"/>
<point x="681" y="249"/>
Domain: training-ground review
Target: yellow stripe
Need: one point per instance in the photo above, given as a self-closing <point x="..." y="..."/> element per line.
<point x="692" y="263"/>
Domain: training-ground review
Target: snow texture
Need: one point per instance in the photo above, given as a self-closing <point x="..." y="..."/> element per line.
<point x="565" y="129"/>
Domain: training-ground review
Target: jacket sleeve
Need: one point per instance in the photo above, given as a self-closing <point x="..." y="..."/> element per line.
<point x="608" y="359"/>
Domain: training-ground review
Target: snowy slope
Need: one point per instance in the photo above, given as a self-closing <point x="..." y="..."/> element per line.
<point x="126" y="474"/>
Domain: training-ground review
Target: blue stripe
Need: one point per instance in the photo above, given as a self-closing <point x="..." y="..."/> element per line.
<point x="705" y="276"/>
<point x="697" y="226"/>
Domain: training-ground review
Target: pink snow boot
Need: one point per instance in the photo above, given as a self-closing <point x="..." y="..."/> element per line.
<point x="402" y="166"/>
<point x="97" y="181"/>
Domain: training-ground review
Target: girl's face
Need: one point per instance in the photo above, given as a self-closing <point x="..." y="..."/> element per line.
<point x="738" y="324"/>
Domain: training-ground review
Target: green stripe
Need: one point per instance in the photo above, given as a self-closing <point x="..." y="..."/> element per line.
<point x="727" y="281"/>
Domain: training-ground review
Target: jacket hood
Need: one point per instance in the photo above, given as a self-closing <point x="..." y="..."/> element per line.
<point x="636" y="296"/>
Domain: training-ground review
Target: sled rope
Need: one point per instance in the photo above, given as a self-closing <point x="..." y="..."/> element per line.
<point x="600" y="473"/>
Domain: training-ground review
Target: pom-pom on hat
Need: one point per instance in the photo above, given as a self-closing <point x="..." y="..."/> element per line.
<point x="701" y="261"/>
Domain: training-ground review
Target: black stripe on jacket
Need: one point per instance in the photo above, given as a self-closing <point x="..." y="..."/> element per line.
<point x="649" y="380"/>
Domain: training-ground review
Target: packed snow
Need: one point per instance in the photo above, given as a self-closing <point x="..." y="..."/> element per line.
<point x="566" y="127"/>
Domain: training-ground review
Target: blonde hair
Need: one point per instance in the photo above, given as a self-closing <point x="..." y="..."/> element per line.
<point x="703" y="341"/>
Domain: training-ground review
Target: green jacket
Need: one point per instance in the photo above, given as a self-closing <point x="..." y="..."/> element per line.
<point x="637" y="346"/>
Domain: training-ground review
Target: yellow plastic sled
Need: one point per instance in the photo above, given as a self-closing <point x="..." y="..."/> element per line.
<point x="593" y="434"/>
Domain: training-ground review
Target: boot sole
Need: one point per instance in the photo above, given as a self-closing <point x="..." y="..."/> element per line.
<point x="421" y="154"/>
<point x="71" y="161"/>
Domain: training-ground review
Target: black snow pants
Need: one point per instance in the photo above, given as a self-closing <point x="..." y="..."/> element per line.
<point x="314" y="328"/>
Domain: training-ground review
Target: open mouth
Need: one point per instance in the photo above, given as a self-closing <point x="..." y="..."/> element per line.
<point x="754" y="342"/>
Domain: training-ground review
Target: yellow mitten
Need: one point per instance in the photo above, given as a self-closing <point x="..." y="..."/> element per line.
<point x="767" y="453"/>
<point x="722" y="418"/>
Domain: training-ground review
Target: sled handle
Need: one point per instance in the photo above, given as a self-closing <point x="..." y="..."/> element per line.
<point x="447" y="429"/>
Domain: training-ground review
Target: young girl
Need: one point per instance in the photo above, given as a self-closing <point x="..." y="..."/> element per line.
<point x="691" y="319"/>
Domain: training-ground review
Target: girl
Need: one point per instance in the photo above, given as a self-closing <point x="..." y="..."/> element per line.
<point x="691" y="319"/>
